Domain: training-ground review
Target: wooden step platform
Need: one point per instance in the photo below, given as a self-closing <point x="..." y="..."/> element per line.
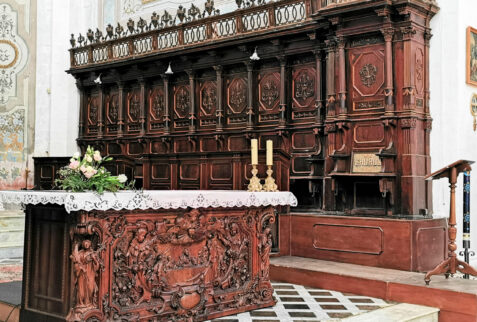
<point x="456" y="298"/>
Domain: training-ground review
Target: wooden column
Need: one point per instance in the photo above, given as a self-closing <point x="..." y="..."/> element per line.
<point x="220" y="89"/>
<point x="192" y="116"/>
<point x="167" y="118"/>
<point x="318" y="85"/>
<point x="100" y="112"/>
<point x="342" y="76"/>
<point x="388" y="34"/>
<point x="120" y="108"/>
<point x="250" y="112"/>
<point x="80" y="87"/>
<point x="330" y="77"/>
<point x="428" y="124"/>
<point x="283" y="98"/>
<point x="142" y="104"/>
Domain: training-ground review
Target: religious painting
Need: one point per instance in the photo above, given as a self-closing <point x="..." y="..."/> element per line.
<point x="473" y="109"/>
<point x="471" y="55"/>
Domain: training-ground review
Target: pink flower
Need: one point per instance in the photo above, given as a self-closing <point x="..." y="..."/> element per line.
<point x="97" y="156"/>
<point x="90" y="172"/>
<point x="83" y="169"/>
<point x="74" y="164"/>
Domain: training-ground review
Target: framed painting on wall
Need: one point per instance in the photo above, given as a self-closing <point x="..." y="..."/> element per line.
<point x="471" y="54"/>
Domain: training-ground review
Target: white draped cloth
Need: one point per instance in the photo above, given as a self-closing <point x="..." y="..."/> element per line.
<point x="148" y="199"/>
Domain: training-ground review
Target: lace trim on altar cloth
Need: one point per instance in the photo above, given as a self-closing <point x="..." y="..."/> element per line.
<point x="148" y="199"/>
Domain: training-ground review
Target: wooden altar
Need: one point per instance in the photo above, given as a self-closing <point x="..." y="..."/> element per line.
<point x="341" y="87"/>
<point x="141" y="256"/>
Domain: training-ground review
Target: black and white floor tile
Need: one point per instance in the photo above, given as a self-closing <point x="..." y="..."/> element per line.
<point x="300" y="303"/>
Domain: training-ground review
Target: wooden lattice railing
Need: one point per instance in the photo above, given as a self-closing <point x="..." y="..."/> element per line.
<point x="164" y="33"/>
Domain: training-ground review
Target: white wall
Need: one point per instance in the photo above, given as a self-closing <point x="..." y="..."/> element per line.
<point x="452" y="136"/>
<point x="57" y="99"/>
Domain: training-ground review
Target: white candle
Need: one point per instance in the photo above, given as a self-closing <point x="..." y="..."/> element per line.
<point x="254" y="151"/>
<point x="269" y="152"/>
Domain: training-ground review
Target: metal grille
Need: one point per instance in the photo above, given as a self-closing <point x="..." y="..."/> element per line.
<point x="255" y="21"/>
<point x="120" y="49"/>
<point x="290" y="13"/>
<point x="167" y="40"/>
<point x="81" y="58"/>
<point x="194" y="34"/>
<point x="224" y="28"/>
<point x="100" y="54"/>
<point x="142" y="45"/>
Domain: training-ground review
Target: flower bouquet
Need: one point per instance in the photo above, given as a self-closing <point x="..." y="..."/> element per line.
<point x="88" y="173"/>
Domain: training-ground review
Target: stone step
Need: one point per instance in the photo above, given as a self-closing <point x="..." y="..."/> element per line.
<point x="402" y="312"/>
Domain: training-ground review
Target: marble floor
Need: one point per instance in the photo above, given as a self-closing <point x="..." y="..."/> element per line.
<point x="300" y="303"/>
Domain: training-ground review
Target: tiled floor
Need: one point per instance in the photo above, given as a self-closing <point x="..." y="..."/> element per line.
<point x="299" y="303"/>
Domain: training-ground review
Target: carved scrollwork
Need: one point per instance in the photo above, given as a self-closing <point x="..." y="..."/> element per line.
<point x="237" y="95"/>
<point x="182" y="102"/>
<point x="409" y="123"/>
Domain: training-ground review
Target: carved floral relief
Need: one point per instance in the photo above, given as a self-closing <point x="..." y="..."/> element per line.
<point x="134" y="106"/>
<point x="156" y="103"/>
<point x="182" y="102"/>
<point x="368" y="74"/>
<point x="237" y="95"/>
<point x="303" y="87"/>
<point x="269" y="88"/>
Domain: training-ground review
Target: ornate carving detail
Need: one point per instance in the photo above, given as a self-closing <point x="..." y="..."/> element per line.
<point x="134" y="106"/>
<point x="408" y="123"/>
<point x="366" y="41"/>
<point x="408" y="32"/>
<point x="419" y="71"/>
<point x="269" y="92"/>
<point x="156" y="102"/>
<point x="304" y="86"/>
<point x="428" y="125"/>
<point x="93" y="110"/>
<point x="329" y="128"/>
<point x="86" y="267"/>
<point x="368" y="74"/>
<point x="208" y="98"/>
<point x="237" y="95"/>
<point x="388" y="33"/>
<point x="182" y="102"/>
<point x="113" y="106"/>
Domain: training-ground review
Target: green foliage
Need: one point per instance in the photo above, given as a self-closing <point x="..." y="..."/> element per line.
<point x="88" y="174"/>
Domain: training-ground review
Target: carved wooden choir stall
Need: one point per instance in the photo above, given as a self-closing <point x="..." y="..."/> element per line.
<point x="341" y="87"/>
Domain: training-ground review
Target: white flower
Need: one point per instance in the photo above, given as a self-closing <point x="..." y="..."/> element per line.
<point x="97" y="156"/>
<point x="122" y="178"/>
<point x="76" y="155"/>
<point x="88" y="158"/>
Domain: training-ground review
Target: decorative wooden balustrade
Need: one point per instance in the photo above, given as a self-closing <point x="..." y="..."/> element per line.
<point x="165" y="33"/>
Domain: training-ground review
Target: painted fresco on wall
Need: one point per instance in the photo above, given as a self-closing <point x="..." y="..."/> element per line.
<point x="12" y="143"/>
<point x="471" y="56"/>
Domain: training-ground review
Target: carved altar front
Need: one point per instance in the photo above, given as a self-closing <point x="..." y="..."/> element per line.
<point x="209" y="258"/>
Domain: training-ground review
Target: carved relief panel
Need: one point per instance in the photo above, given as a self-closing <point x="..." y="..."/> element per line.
<point x="303" y="92"/>
<point x="269" y="96"/>
<point x="208" y="104"/>
<point x="133" y="109"/>
<point x="181" y="106"/>
<point x="367" y="79"/>
<point x="92" y="113"/>
<point x="112" y="111"/>
<point x="156" y="106"/>
<point x="419" y="74"/>
<point x="237" y="97"/>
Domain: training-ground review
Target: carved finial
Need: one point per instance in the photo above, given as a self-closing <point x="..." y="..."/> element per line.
<point x="141" y="24"/>
<point x="119" y="30"/>
<point x="98" y="35"/>
<point x="130" y="25"/>
<point x="181" y="12"/>
<point x="72" y="40"/>
<point x="194" y="11"/>
<point x="109" y="31"/>
<point x="90" y="35"/>
<point x="166" y="18"/>
<point x="154" y="19"/>
<point x="80" y="40"/>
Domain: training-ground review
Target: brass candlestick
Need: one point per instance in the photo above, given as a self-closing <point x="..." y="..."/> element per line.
<point x="254" y="184"/>
<point x="270" y="184"/>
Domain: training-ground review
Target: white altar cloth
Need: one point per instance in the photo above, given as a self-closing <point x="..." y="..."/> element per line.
<point x="148" y="199"/>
